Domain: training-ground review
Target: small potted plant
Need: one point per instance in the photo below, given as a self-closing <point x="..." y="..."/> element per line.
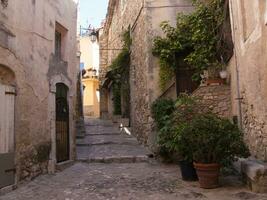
<point x="213" y="142"/>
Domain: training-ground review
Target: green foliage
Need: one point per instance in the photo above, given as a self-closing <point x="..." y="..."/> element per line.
<point x="166" y="75"/>
<point x="116" y="89"/>
<point x="121" y="63"/>
<point x="184" y="110"/>
<point x="210" y="139"/>
<point x="161" y="111"/>
<point x="194" y="39"/>
<point x="119" y="74"/>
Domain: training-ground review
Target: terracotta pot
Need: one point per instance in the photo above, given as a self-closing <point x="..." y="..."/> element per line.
<point x="208" y="175"/>
<point x="215" y="81"/>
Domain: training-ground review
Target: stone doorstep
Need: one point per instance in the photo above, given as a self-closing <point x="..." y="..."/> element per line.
<point x="8" y="189"/>
<point x="64" y="165"/>
<point x="255" y="174"/>
<point x="116" y="159"/>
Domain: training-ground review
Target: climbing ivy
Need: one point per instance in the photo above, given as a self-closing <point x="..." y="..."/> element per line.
<point x="119" y="74"/>
<point x="195" y="40"/>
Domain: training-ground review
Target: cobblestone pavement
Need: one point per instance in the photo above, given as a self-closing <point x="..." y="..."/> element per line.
<point x="110" y="176"/>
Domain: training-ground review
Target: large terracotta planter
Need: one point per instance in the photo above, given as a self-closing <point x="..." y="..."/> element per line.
<point x="208" y="175"/>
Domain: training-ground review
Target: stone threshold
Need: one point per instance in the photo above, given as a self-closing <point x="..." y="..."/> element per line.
<point x="116" y="159"/>
<point x="64" y="165"/>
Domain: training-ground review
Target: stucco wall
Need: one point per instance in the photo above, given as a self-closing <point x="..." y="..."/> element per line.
<point x="28" y="52"/>
<point x="249" y="71"/>
<point x="89" y="53"/>
<point x="90" y="99"/>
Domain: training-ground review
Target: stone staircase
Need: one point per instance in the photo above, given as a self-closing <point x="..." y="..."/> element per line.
<point x="106" y="143"/>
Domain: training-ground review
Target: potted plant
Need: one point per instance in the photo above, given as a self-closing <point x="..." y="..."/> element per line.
<point x="185" y="109"/>
<point x="213" y="142"/>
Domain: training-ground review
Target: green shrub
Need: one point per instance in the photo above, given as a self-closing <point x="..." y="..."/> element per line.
<point x="210" y="139"/>
<point x="186" y="107"/>
<point x="161" y="111"/>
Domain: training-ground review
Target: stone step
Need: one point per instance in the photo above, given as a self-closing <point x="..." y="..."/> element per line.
<point x="112" y="153"/>
<point x="105" y="143"/>
<point x="102" y="139"/>
<point x="116" y="159"/>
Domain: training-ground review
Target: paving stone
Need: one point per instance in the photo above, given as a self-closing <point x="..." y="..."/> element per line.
<point x="104" y="139"/>
<point x="135" y="181"/>
<point x="112" y="169"/>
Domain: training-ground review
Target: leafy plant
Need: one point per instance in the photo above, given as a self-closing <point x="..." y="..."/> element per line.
<point x="119" y="74"/>
<point x="161" y="111"/>
<point x="194" y="40"/>
<point x="186" y="107"/>
<point x="210" y="139"/>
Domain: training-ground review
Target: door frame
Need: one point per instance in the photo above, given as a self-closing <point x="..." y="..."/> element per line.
<point x="52" y="118"/>
<point x="12" y="147"/>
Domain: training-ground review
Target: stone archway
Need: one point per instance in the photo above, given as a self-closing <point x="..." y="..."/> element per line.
<point x="7" y="126"/>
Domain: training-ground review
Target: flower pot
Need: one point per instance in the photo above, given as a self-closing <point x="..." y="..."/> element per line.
<point x="208" y="175"/>
<point x="188" y="171"/>
<point x="216" y="81"/>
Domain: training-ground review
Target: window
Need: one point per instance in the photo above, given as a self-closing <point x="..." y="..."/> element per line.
<point x="61" y="34"/>
<point x="58" y="44"/>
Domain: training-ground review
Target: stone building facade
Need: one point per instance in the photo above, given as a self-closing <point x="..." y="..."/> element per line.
<point x="38" y="74"/>
<point x="249" y="73"/>
<point x="144" y="18"/>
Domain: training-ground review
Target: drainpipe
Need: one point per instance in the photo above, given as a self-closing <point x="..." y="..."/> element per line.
<point x="239" y="99"/>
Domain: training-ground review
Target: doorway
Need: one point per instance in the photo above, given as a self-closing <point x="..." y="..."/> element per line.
<point x="7" y="150"/>
<point x="62" y="123"/>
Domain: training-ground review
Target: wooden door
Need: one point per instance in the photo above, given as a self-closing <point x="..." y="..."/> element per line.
<point x="62" y="123"/>
<point x="184" y="82"/>
<point x="7" y="156"/>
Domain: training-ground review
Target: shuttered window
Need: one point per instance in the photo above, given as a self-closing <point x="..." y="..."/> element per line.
<point x="7" y="104"/>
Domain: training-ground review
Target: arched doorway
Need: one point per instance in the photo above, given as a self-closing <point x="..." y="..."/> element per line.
<point x="7" y="124"/>
<point x="62" y="123"/>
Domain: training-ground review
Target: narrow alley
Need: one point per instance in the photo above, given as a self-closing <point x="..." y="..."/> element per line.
<point x="113" y="166"/>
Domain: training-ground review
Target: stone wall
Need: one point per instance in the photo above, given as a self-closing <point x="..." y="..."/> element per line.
<point x="144" y="18"/>
<point x="27" y="32"/>
<point x="249" y="72"/>
<point x="217" y="99"/>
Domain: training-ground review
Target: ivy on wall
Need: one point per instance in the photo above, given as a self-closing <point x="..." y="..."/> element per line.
<point x="197" y="39"/>
<point x="119" y="74"/>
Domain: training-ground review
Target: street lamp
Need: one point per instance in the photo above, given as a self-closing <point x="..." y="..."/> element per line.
<point x="93" y="35"/>
<point x="91" y="32"/>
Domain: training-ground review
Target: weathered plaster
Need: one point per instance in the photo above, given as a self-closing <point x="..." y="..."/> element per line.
<point x="249" y="66"/>
<point x="26" y="48"/>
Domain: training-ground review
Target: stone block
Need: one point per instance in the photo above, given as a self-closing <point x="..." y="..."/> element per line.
<point x="255" y="174"/>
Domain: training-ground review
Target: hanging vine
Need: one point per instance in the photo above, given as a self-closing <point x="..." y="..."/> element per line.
<point x="119" y="74"/>
<point x="197" y="39"/>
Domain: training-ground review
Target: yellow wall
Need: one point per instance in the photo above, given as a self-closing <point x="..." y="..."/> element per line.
<point x="90" y="99"/>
